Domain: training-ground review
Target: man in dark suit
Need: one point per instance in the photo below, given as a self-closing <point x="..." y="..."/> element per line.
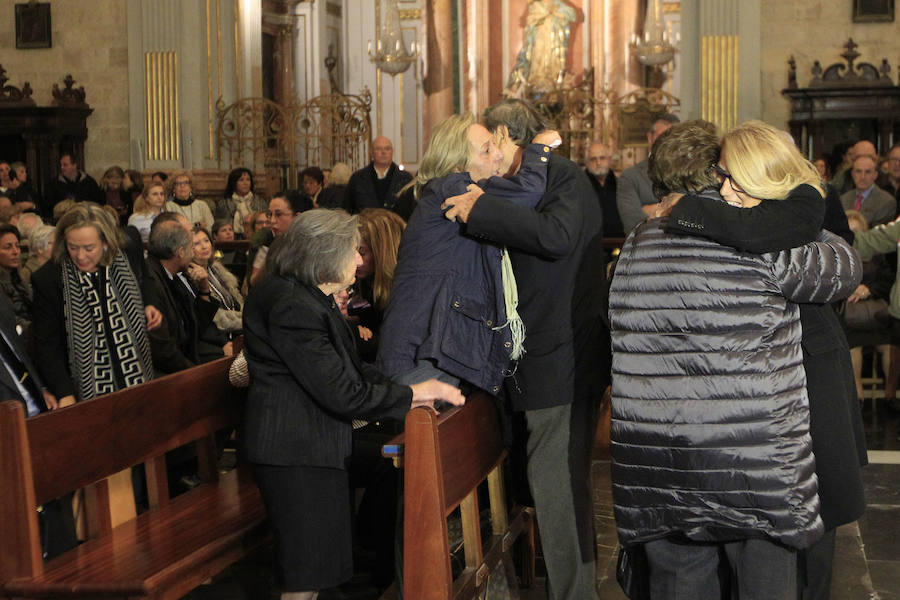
<point x="835" y="420"/>
<point x="603" y="180"/>
<point x="635" y="193"/>
<point x="556" y="250"/>
<point x="376" y="185"/>
<point x="72" y="183"/>
<point x="875" y="204"/>
<point x="19" y="381"/>
<point x="186" y="312"/>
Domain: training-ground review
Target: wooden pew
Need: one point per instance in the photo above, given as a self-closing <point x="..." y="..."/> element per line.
<point x="162" y="553"/>
<point x="445" y="457"/>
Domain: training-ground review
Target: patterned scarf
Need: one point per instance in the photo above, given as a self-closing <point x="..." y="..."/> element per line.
<point x="90" y="357"/>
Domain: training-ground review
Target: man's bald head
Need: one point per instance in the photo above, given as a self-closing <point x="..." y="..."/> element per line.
<point x="862" y="148"/>
<point x="598" y="159"/>
<point x="382" y="152"/>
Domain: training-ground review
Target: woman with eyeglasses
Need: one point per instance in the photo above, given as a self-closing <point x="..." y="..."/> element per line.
<point x="183" y="201"/>
<point x="761" y="168"/>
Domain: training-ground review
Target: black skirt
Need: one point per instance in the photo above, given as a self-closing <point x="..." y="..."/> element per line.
<point x="309" y="510"/>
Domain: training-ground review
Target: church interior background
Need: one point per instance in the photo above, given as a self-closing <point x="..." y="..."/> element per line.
<point x="160" y="75"/>
<point x="278" y="85"/>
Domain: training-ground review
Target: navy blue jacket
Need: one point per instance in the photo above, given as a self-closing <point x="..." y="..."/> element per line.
<point x="447" y="302"/>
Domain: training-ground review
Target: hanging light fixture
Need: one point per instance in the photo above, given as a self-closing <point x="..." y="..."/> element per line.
<point x="653" y="49"/>
<point x="390" y="53"/>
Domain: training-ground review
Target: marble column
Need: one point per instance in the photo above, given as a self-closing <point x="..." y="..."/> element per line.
<point x="438" y="82"/>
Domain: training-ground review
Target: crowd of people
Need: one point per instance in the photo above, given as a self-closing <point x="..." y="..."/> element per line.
<point x="736" y="431"/>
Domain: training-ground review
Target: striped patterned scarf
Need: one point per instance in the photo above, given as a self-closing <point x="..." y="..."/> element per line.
<point x="90" y="358"/>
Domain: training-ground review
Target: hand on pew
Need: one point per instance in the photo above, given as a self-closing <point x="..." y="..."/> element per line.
<point x="66" y="401"/>
<point x="431" y="391"/>
<point x="50" y="400"/>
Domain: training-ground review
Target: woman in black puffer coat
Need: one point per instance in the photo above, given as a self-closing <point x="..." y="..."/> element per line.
<point x="710" y="433"/>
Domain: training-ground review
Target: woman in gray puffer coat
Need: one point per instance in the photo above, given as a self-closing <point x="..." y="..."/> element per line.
<point x="710" y="427"/>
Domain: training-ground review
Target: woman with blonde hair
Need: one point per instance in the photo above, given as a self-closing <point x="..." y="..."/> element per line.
<point x="760" y="163"/>
<point x="91" y="321"/>
<point x="452" y="309"/>
<point x="380" y="232"/>
<point x="150" y="205"/>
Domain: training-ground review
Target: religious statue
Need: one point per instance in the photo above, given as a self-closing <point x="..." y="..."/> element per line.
<point x="542" y="59"/>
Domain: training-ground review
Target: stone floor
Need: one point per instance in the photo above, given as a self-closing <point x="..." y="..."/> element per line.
<point x="867" y="556"/>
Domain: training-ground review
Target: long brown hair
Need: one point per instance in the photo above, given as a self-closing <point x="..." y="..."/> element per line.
<point x="381" y="229"/>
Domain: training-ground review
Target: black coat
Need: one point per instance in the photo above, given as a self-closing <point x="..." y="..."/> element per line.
<point x="50" y="334"/>
<point x="835" y="419"/>
<point x="83" y="189"/>
<point x="8" y="388"/>
<point x="557" y="255"/>
<point x="606" y="196"/>
<point x="175" y="347"/>
<point x="306" y="380"/>
<point x="362" y="192"/>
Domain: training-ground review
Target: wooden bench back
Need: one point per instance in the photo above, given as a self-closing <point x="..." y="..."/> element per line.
<point x="445" y="458"/>
<point x="58" y="452"/>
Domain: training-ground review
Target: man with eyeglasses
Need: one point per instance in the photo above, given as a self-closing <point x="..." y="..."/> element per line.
<point x="283" y="208"/>
<point x="603" y="180"/>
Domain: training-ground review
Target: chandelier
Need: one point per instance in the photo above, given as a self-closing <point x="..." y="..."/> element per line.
<point x="654" y="48"/>
<point x="390" y="52"/>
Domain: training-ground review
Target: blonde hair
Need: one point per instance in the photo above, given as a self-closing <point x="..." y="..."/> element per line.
<point x="88" y="214"/>
<point x="854" y="216"/>
<point x="382" y="229"/>
<point x="448" y="150"/>
<point x="340" y="174"/>
<point x="170" y="182"/>
<point x="140" y="204"/>
<point x="765" y="163"/>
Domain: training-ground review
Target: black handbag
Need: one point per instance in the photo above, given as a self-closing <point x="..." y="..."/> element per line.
<point x="866" y="315"/>
<point x="633" y="572"/>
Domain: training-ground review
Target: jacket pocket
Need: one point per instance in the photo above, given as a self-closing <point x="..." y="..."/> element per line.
<point x="467" y="332"/>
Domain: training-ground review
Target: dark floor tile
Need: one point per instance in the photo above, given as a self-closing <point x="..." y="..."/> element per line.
<point x="850" y="576"/>
<point x="882" y="484"/>
<point x="882" y="428"/>
<point x="886" y="576"/>
<point x="880" y="530"/>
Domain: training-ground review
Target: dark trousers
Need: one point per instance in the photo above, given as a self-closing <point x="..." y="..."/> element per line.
<point x="759" y="570"/>
<point x="817" y="562"/>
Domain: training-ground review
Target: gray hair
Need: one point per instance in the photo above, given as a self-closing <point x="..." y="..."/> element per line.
<point x="316" y="247"/>
<point x="28" y="222"/>
<point x="521" y="119"/>
<point x="40" y="237"/>
<point x="166" y="238"/>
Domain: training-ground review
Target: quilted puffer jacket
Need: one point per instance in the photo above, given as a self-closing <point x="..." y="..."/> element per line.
<point x="710" y="431"/>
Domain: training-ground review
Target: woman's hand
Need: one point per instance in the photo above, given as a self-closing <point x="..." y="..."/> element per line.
<point x="548" y="137"/>
<point x="862" y="292"/>
<point x="199" y="276"/>
<point x="154" y="317"/>
<point x="431" y="391"/>
<point x="664" y="207"/>
<point x="228" y="349"/>
<point x="50" y="400"/>
<point x="365" y="333"/>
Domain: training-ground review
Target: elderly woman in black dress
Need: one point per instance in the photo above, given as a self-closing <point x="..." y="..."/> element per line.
<point x="307" y="383"/>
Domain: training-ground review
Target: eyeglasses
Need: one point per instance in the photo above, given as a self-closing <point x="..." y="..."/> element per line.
<point x="722" y="174"/>
<point x="277" y="214"/>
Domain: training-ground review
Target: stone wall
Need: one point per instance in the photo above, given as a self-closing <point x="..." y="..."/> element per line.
<point x="89" y="41"/>
<point x="815" y="30"/>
